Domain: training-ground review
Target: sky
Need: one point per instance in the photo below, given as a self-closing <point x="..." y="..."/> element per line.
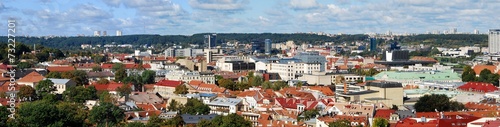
<point x="186" y="17"/>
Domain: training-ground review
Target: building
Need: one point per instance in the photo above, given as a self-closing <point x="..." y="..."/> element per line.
<point x="118" y="33"/>
<point x="268" y="47"/>
<point x="323" y="78"/>
<point x="389" y="93"/>
<point x="186" y="76"/>
<point x="234" y="65"/>
<point x="211" y="41"/>
<point x="417" y="77"/>
<point x="104" y="33"/>
<point x="397" y="55"/>
<point x="258" y="46"/>
<point x="62" y="84"/>
<point x="291" y="68"/>
<point x="373" y="44"/>
<point x="494" y="41"/>
<point x="225" y="106"/>
<point x="312" y="57"/>
<point x="97" y="33"/>
<point x="166" y="88"/>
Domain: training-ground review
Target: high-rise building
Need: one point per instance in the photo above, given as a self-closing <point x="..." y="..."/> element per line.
<point x="476" y="31"/>
<point x="97" y="33"/>
<point x="373" y="44"/>
<point x="268" y="46"/>
<point x="211" y="41"/>
<point x="118" y="33"/>
<point x="453" y="31"/>
<point x="104" y="33"/>
<point x="494" y="41"/>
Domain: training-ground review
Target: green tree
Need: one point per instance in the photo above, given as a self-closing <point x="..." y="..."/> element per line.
<point x="106" y="114"/>
<point x="38" y="114"/>
<point x="154" y="121"/>
<point x="195" y="106"/>
<point x="54" y="75"/>
<point x="99" y="59"/>
<point x="106" y="97"/>
<point x="148" y="76"/>
<point x="231" y="120"/>
<point x="308" y="114"/>
<point x="372" y="71"/>
<point x="26" y="92"/>
<point x="440" y="102"/>
<point x="278" y="85"/>
<point x="267" y="85"/>
<point x="181" y="89"/>
<point x="44" y="87"/>
<point x="136" y="124"/>
<point x="23" y="65"/>
<point x="117" y="66"/>
<point x="72" y="114"/>
<point x="340" y="123"/>
<point x="103" y="81"/>
<point x="80" y="77"/>
<point x="67" y="75"/>
<point x="300" y="84"/>
<point x="79" y="94"/>
<point x="204" y="123"/>
<point x="227" y="83"/>
<point x="257" y="81"/>
<point x="242" y="86"/>
<point x="484" y="75"/>
<point x="380" y="122"/>
<point x="4" y="116"/>
<point x="177" y="121"/>
<point x="469" y="74"/>
<point x="174" y="106"/>
<point x="96" y="68"/>
<point x="120" y="74"/>
<point x="124" y="90"/>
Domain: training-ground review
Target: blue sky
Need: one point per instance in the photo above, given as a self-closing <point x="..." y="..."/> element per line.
<point x="185" y="17"/>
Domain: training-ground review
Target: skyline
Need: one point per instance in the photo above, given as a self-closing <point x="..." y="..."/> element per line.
<point x="186" y="17"/>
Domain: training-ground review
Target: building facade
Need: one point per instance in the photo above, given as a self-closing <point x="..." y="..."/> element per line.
<point x="494" y="41"/>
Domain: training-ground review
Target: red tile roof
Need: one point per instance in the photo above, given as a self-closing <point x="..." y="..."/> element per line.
<point x="112" y="86"/>
<point x="323" y="89"/>
<point x="491" y="123"/>
<point x="4" y="87"/>
<point x="32" y="77"/>
<point x="478" y="87"/>
<point x="169" y="83"/>
<point x="456" y="120"/>
<point x="409" y="122"/>
<point x="384" y="113"/>
<point x="60" y="68"/>
<point x="481" y="106"/>
<point x="292" y="103"/>
<point x="127" y="66"/>
<point x="479" y="68"/>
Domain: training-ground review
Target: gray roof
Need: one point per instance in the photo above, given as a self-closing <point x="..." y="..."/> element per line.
<point x="194" y="119"/>
<point x="225" y="101"/>
<point x="384" y="84"/>
<point x="59" y="81"/>
<point x="100" y="74"/>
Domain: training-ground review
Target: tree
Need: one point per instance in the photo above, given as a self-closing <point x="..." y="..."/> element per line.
<point x="120" y="74"/>
<point x="148" y="76"/>
<point x="231" y="120"/>
<point x="177" y="121"/>
<point x="484" y="75"/>
<point x="195" y="106"/>
<point x="372" y="71"/>
<point x="136" y="124"/>
<point x="103" y="81"/>
<point x="256" y="81"/>
<point x="227" y="83"/>
<point x="204" y="123"/>
<point x="23" y="65"/>
<point x="67" y="75"/>
<point x="106" y="97"/>
<point x="38" y="114"/>
<point x="174" y="106"/>
<point x="439" y="102"/>
<point x="154" y="121"/>
<point x="72" y="114"/>
<point x="44" y="87"/>
<point x="4" y="116"/>
<point x="340" y="123"/>
<point x="469" y="74"/>
<point x="80" y="77"/>
<point x="106" y="114"/>
<point x="181" y="89"/>
<point x="380" y="122"/>
<point x="278" y="85"/>
<point x="124" y="90"/>
<point x="79" y="94"/>
<point x="308" y="114"/>
<point x="99" y="59"/>
<point x="117" y="66"/>
<point x="54" y="75"/>
<point x="26" y="92"/>
<point x="267" y="85"/>
<point x="300" y="84"/>
<point x="96" y="69"/>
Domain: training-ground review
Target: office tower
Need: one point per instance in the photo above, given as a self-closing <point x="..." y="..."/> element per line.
<point x="104" y="33"/>
<point x="97" y="33"/>
<point x="373" y="44"/>
<point x="453" y="31"/>
<point x="476" y="31"/>
<point x="211" y="41"/>
<point x="494" y="41"/>
<point x="118" y="33"/>
<point x="268" y="46"/>
<point x="258" y="46"/>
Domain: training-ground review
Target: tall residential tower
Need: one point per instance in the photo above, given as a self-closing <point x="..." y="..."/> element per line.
<point x="494" y="41"/>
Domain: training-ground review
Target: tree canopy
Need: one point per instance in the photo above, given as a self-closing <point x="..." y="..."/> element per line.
<point x="44" y="87"/>
<point x="380" y="122"/>
<point x="106" y="114"/>
<point x="195" y="106"/>
<point x="439" y="102"/>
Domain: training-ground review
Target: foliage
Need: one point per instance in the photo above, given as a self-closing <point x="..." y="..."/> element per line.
<point x="267" y="85"/>
<point x="231" y="120"/>
<point x="380" y="122"/>
<point x="72" y="114"/>
<point x="4" y="116"/>
<point x="154" y="121"/>
<point x="120" y="74"/>
<point x="195" y="106"/>
<point x="204" y="123"/>
<point x="106" y="114"/>
<point x="26" y="92"/>
<point x="242" y="86"/>
<point x="99" y="59"/>
<point x="117" y="66"/>
<point x="96" y="68"/>
<point x="38" y="114"/>
<point x="148" y="76"/>
<point x="256" y="80"/>
<point x="80" y="94"/>
<point x="23" y="65"/>
<point x="468" y="74"/>
<point x="54" y="75"/>
<point x="177" y="121"/>
<point x="103" y="81"/>
<point x="340" y="123"/>
<point x="439" y="102"/>
<point x="278" y="85"/>
<point x="136" y="124"/>
<point x="44" y="87"/>
<point x="308" y="114"/>
<point x="174" y="106"/>
<point x="106" y="97"/>
<point x="124" y="90"/>
<point x="80" y="77"/>
<point x="181" y="89"/>
<point x="227" y="83"/>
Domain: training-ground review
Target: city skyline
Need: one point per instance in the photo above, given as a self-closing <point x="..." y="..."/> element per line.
<point x="186" y="17"/>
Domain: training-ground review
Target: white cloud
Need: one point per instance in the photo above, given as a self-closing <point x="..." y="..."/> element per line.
<point x="219" y="5"/>
<point x="303" y="4"/>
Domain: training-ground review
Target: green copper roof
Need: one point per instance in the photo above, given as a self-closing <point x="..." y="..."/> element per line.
<point x="424" y="75"/>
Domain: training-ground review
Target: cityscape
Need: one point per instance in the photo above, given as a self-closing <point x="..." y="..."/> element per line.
<point x="242" y="63"/>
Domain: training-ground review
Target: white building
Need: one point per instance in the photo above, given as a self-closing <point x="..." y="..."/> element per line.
<point x="118" y="33"/>
<point x="62" y="84"/>
<point x="186" y="76"/>
<point x="224" y="106"/>
<point x="494" y="41"/>
<point x="288" y="70"/>
<point x="420" y="67"/>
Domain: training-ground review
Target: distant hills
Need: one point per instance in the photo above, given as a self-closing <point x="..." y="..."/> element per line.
<point x="76" y="42"/>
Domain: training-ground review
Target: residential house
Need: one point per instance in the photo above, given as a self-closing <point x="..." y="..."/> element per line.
<point x="60" y="68"/>
<point x="96" y="76"/>
<point x="480" y="87"/>
<point x="62" y="84"/>
<point x="166" y="87"/>
<point x="225" y="106"/>
<point x="31" y="79"/>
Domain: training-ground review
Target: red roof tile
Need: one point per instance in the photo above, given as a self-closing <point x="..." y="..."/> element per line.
<point x="479" y="68"/>
<point x="112" y="86"/>
<point x="60" y="68"/>
<point x="169" y="83"/>
<point x="292" y="103"/>
<point x="32" y="77"/>
<point x="384" y="113"/>
<point x="478" y="87"/>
